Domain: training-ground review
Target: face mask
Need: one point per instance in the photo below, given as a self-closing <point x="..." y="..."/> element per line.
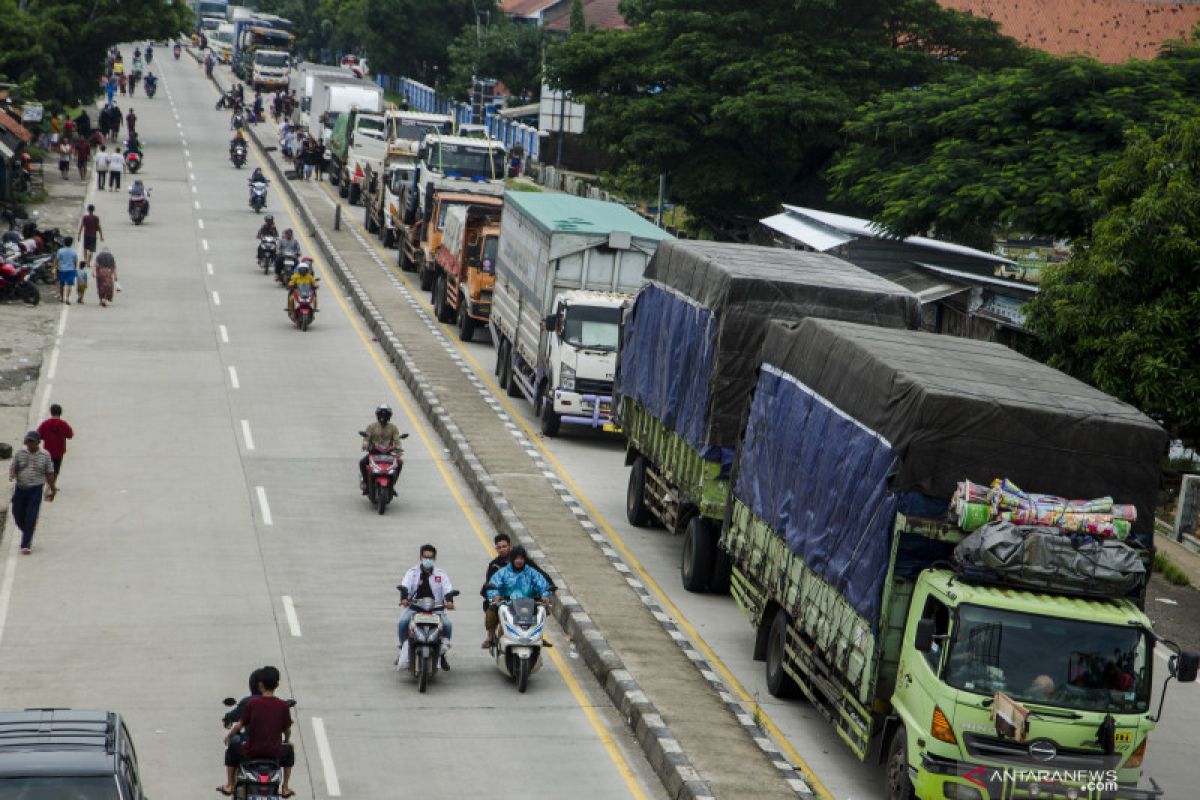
<point x="427" y="563"/>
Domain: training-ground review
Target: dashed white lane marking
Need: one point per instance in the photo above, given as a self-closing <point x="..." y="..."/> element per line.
<point x="208" y="268"/>
<point x="196" y="203"/>
<point x="204" y="243"/>
<point x="289" y="611"/>
<point x="189" y="165"/>
<point x="216" y="298"/>
<point x="332" y="787"/>
<point x="200" y="224"/>
<point x="246" y="434"/>
<point x="191" y="176"/>
<point x="187" y="153"/>
<point x="224" y="333"/>
<point x="264" y="508"/>
<point x="233" y="378"/>
<point x="193" y="189"/>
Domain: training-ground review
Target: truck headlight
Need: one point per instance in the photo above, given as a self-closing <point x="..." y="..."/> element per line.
<point x="566" y="379"/>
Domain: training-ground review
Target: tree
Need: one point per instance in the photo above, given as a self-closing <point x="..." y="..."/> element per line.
<point x="578" y="19"/>
<point x="742" y="104"/>
<point x="503" y="50"/>
<point x="408" y="37"/>
<point x="1124" y="312"/>
<point x="1008" y="148"/>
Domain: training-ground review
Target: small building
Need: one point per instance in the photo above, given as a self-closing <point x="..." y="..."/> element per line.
<point x="961" y="289"/>
<point x="555" y="15"/>
<point x="14" y="138"/>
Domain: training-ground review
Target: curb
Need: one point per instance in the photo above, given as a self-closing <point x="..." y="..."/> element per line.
<point x="662" y="749"/>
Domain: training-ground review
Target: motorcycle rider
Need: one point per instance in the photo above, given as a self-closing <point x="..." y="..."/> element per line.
<point x="303" y="276"/>
<point x="268" y="720"/>
<point x="284" y="247"/>
<point x="425" y="580"/>
<point x="208" y="65"/>
<point x="381" y="432"/>
<point x="503" y="557"/>
<point x="239" y="140"/>
<point x="139" y="192"/>
<point x="514" y="580"/>
<point x="266" y="229"/>
<point x="133" y="145"/>
<point x="151" y="82"/>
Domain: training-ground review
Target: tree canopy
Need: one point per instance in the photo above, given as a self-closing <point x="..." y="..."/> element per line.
<point x="504" y="50"/>
<point x="743" y="104"/>
<point x="1124" y="312"/>
<point x="1008" y="148"/>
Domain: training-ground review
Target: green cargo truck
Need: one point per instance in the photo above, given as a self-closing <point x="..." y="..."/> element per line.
<point x="1013" y="661"/>
<point x="686" y="369"/>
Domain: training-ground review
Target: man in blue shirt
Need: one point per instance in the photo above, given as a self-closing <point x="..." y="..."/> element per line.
<point x="67" y="262"/>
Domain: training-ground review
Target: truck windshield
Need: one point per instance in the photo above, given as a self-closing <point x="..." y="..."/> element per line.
<point x="467" y="161"/>
<point x="1050" y="661"/>
<point x="592" y="328"/>
<point x="415" y="131"/>
<point x="371" y="127"/>
<point x="271" y="59"/>
<point x="94" y="788"/>
<point x="490" y="245"/>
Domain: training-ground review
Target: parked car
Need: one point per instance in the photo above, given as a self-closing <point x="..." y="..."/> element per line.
<point x="62" y="752"/>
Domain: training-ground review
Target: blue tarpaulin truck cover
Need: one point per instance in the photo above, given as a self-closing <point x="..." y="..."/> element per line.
<point x="691" y="340"/>
<point x="851" y="423"/>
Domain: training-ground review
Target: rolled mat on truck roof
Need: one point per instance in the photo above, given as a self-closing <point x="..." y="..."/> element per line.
<point x="851" y="423"/>
<point x="692" y="337"/>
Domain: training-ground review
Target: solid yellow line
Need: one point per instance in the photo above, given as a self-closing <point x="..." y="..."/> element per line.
<point x="780" y="739"/>
<point x="606" y="739"/>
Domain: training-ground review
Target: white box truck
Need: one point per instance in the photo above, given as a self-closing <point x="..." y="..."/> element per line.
<point x="334" y="94"/>
<point x="566" y="267"/>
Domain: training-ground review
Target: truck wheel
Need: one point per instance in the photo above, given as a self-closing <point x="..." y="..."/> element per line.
<point x="388" y="236"/>
<point x="551" y="420"/>
<point x="369" y="222"/>
<point x="355" y="194"/>
<point x="427" y="274"/>
<point x="779" y="683"/>
<point x="441" y="310"/>
<point x="498" y="370"/>
<point x="896" y="783"/>
<point x="510" y="384"/>
<point x="722" y="573"/>
<point x="699" y="554"/>
<point x="343" y="185"/>
<point x="635" y="495"/>
<point x="466" y="325"/>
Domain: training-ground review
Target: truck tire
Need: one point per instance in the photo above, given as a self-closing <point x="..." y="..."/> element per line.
<point x="896" y="783"/>
<point x="511" y="388"/>
<point x="779" y="683"/>
<point x="441" y="310"/>
<point x="402" y="260"/>
<point x="388" y="236"/>
<point x="551" y="420"/>
<point x="498" y="370"/>
<point x="722" y="573"/>
<point x="427" y="274"/>
<point x="699" y="554"/>
<point x="343" y="184"/>
<point x="466" y="325"/>
<point x="369" y="222"/>
<point x="635" y="495"/>
<point x="354" y="194"/>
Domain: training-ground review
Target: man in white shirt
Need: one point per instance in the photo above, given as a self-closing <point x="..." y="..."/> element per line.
<point x="116" y="165"/>
<point x="101" y="168"/>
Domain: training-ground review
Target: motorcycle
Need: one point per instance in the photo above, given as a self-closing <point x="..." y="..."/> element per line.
<point x="151" y="88"/>
<point x="133" y="161"/>
<point x="258" y="196"/>
<point x="383" y="468"/>
<point x="177" y="50"/>
<point x="266" y="253"/>
<point x="304" y="300"/>
<point x="16" y="283"/>
<point x="149" y="55"/>
<point x="139" y="207"/>
<point x="518" y="647"/>
<point x="259" y="778"/>
<point x="425" y="644"/>
<point x="284" y="267"/>
<point x="239" y="156"/>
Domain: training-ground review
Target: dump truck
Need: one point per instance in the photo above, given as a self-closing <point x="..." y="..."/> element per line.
<point x="466" y="265"/>
<point x="972" y="654"/>
<point x="457" y="164"/>
<point x="357" y="143"/>
<point x="421" y="241"/>
<point x="566" y="268"/>
<point x="383" y="185"/>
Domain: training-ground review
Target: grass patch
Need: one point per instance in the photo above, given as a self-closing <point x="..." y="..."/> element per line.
<point x="1168" y="570"/>
<point x="520" y="186"/>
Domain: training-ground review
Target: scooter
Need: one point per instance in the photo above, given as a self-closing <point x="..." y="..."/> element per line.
<point x="16" y="283"/>
<point x="259" y="778"/>
<point x="266" y="253"/>
<point x="518" y="647"/>
<point x="284" y="267"/>
<point x="383" y="469"/>
<point x="239" y="155"/>
<point x="149" y="55"/>
<point x="133" y="160"/>
<point x="258" y="196"/>
<point x="177" y="51"/>
<point x="139" y="207"/>
<point x="151" y="88"/>
<point x="304" y="300"/>
<point x="425" y="644"/>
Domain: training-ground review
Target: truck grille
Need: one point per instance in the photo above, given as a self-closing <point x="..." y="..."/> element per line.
<point x="591" y="386"/>
<point x="990" y="748"/>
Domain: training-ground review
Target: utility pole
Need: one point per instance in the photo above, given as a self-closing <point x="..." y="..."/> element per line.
<point x="562" y="126"/>
<point x="662" y="190"/>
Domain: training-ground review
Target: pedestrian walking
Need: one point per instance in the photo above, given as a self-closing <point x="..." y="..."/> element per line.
<point x="122" y="82"/>
<point x="81" y="281"/>
<point x="33" y="471"/>
<point x="83" y="151"/>
<point x="64" y="159"/>
<point x="322" y="156"/>
<point x="309" y="158"/>
<point x="106" y="276"/>
<point x="66" y="262"/>
<point x="89" y="229"/>
<point x="101" y="167"/>
<point x="131" y="122"/>
<point x="116" y="165"/>
<point x="54" y="432"/>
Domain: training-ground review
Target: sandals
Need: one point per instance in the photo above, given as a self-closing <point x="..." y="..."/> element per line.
<point x="223" y="790"/>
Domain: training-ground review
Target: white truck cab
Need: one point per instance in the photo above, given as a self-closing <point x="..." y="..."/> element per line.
<point x="581" y="356"/>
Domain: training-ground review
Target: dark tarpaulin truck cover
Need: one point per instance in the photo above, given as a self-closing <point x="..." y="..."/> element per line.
<point x="691" y="339"/>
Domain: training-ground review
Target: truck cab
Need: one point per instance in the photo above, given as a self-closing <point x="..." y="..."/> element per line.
<point x="270" y="69"/>
<point x="466" y="264"/>
<point x="580" y="358"/>
<point x="357" y="140"/>
<point x="457" y="163"/>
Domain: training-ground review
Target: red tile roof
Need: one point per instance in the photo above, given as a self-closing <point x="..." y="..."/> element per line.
<point x="14" y="127"/>
<point x="1108" y="30"/>
<point x="525" y="8"/>
<point x="600" y="14"/>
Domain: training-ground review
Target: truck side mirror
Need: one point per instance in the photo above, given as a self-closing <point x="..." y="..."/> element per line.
<point x="1185" y="666"/>
<point x="550" y="322"/>
<point x="923" y="641"/>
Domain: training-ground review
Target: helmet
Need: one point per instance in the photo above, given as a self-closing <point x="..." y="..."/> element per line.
<point x="383" y="412"/>
<point x="287" y="232"/>
<point x="269" y="218"/>
<point x="304" y="268"/>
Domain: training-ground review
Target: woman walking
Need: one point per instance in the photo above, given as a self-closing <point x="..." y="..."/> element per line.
<point x="106" y="275"/>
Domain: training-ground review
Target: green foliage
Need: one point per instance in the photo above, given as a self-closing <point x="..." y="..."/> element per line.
<point x="504" y="50"/>
<point x="742" y="104"/>
<point x="1169" y="571"/>
<point x="411" y="37"/>
<point x="1008" y="148"/>
<point x="578" y="19"/>
<point x="317" y="23"/>
<point x="55" y="48"/>
<point x="1124" y="312"/>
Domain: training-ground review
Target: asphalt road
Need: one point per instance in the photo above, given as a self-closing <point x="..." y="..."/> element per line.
<point x="593" y="466"/>
<point x="210" y="522"/>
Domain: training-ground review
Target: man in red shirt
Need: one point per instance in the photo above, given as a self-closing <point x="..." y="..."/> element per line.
<point x="267" y="724"/>
<point x="55" y="432"/>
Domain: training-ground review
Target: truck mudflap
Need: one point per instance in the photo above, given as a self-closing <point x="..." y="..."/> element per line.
<point x="600" y="415"/>
<point x="947" y="777"/>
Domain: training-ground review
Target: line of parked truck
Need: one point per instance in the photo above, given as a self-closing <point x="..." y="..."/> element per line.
<point x="815" y="453"/>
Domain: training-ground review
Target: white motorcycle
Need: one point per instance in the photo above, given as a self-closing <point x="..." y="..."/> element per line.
<point x="258" y="195"/>
<point x="518" y="645"/>
<point x="426" y="645"/>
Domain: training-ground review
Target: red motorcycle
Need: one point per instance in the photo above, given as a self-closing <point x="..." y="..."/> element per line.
<point x="304" y="301"/>
<point x="383" y="468"/>
<point x="16" y="283"/>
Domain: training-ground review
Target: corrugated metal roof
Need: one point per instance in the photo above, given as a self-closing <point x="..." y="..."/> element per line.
<point x="819" y="237"/>
<point x="599" y="14"/>
<point x="526" y="8"/>
<point x="971" y="276"/>
<point x="567" y="213"/>
<point x="15" y="128"/>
